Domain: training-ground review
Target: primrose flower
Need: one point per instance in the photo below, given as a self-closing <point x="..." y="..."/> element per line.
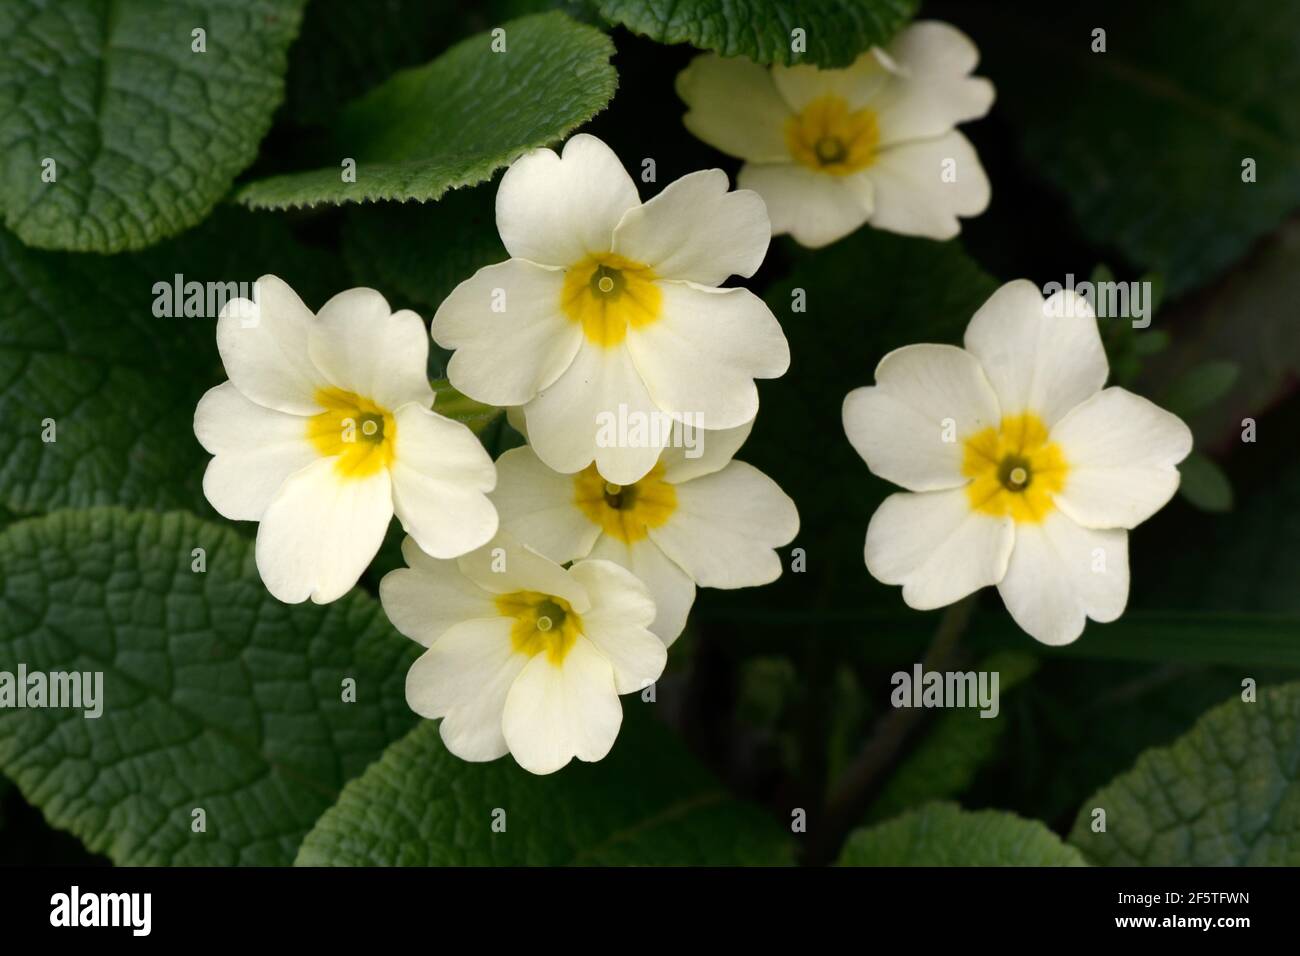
<point x="696" y="518"/>
<point x="324" y="431"/>
<point x="608" y="310"/>
<point x="523" y="655"/>
<point x="875" y="142"/>
<point x="1021" y="470"/>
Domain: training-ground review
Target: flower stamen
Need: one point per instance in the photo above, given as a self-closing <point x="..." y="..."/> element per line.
<point x="626" y="512"/>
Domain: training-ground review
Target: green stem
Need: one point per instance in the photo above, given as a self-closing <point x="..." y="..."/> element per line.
<point x="860" y="783"/>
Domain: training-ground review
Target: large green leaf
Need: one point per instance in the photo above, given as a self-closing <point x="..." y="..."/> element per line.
<point x="1147" y="139"/>
<point x="1225" y="794"/>
<point x="215" y="695"/>
<point x="146" y="134"/>
<point x="80" y="345"/>
<point x="648" y="802"/>
<point x="456" y="120"/>
<point x="943" y="834"/>
<point x="835" y="31"/>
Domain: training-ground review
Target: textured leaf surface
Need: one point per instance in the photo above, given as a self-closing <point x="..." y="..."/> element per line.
<point x="215" y="695"/>
<point x="647" y="803"/>
<point x="1225" y="794"/>
<point x="836" y="31"/>
<point x="943" y="834"/>
<point x="456" y="120"/>
<point x="1147" y="139"/>
<point x="146" y="134"/>
<point x="80" y="345"/>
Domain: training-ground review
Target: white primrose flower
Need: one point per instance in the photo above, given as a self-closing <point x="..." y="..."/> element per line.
<point x="324" y="431"/>
<point x="523" y="656"/>
<point x="875" y="142"/>
<point x="1021" y="470"/>
<point x="608" y="309"/>
<point x="696" y="518"/>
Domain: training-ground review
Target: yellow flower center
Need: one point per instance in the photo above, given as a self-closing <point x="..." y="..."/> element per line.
<point x="355" y="429"/>
<point x="830" y="138"/>
<point x="1015" y="469"/>
<point x="607" y="294"/>
<point x="543" y="623"/>
<point x="626" y="512"/>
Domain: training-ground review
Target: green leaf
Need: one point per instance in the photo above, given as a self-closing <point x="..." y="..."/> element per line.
<point x="836" y="31"/>
<point x="1245" y="639"/>
<point x="945" y="762"/>
<point x="80" y="346"/>
<point x="455" y="121"/>
<point x="1081" y="722"/>
<point x="1225" y="794"/>
<point x="1147" y="139"/>
<point x="454" y="404"/>
<point x="943" y="834"/>
<point x="422" y="251"/>
<point x="215" y="695"/>
<point x="1204" y="484"/>
<point x="647" y="803"/>
<point x="146" y="135"/>
<point x="1200" y="386"/>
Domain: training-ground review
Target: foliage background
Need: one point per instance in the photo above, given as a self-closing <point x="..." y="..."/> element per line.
<point x="1127" y="161"/>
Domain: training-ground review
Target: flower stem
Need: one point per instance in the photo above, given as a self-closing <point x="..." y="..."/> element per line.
<point x="861" y="782"/>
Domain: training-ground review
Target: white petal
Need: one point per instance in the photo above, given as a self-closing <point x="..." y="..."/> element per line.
<point x="857" y="84"/>
<point x="726" y="526"/>
<point x="320" y="531"/>
<point x="554" y="714"/>
<point x="912" y="194"/>
<point x="671" y="588"/>
<point x="734" y="107"/>
<point x="264" y="348"/>
<point x="362" y="346"/>
<point x="702" y="452"/>
<point x="431" y="596"/>
<point x="465" y="678"/>
<point x="815" y="208"/>
<point x="931" y="48"/>
<point x="1122" y="452"/>
<point x="924" y="395"/>
<point x="1061" y="573"/>
<point x="932" y="89"/>
<point x="441" y="476"/>
<point x="538" y="507"/>
<point x="701" y="357"/>
<point x="504" y="566"/>
<point x="506" y="357"/>
<point x="558" y="209"/>
<point x="256" y="449"/>
<point x="569" y="423"/>
<point x="1040" y="357"/>
<point x="618" y="624"/>
<point x="697" y="229"/>
<point x="936" y="547"/>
